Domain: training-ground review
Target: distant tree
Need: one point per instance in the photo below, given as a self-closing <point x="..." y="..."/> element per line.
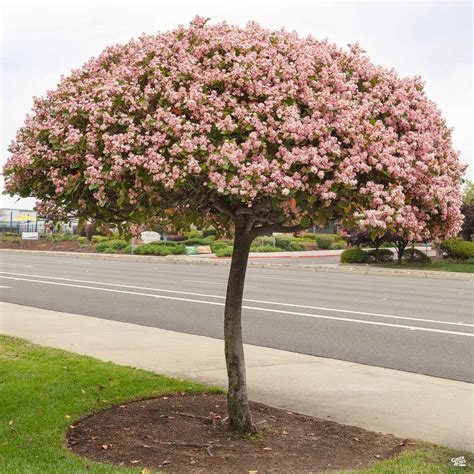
<point x="244" y="127"/>
<point x="467" y="229"/>
<point x="468" y="192"/>
<point x="467" y="210"/>
<point x="358" y="238"/>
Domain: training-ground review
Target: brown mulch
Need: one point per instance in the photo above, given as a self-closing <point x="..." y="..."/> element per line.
<point x="187" y="433"/>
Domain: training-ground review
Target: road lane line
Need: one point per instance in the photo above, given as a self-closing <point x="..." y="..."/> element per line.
<point x="290" y="305"/>
<point x="2" y="264"/>
<point x="253" y="308"/>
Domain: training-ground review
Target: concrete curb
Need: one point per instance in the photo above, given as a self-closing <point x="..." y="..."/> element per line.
<point x="360" y="269"/>
<point x="406" y="404"/>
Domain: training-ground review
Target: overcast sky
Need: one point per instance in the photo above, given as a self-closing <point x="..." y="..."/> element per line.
<point x="43" y="39"/>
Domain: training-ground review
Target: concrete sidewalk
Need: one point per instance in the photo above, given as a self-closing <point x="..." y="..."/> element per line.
<point x="402" y="403"/>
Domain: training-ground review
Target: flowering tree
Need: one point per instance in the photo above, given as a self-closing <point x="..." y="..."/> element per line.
<point x="261" y="130"/>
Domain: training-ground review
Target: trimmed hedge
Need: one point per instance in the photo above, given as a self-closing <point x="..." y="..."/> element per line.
<point x="265" y="248"/>
<point x="163" y="250"/>
<point x="458" y="249"/>
<point x="224" y="251"/>
<point x="415" y="256"/>
<point x="220" y="244"/>
<point x="324" y="241"/>
<point x="354" y="255"/>
<point x="110" y="246"/>
<point x="380" y="255"/>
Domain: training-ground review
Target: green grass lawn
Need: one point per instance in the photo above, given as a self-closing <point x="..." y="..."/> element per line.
<point x="43" y="391"/>
<point x="462" y="267"/>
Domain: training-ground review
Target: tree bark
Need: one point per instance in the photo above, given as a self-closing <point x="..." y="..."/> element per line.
<point x="400" y="246"/>
<point x="240" y="418"/>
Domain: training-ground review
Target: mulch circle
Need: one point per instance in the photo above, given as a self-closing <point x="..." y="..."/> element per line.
<point x="187" y="433"/>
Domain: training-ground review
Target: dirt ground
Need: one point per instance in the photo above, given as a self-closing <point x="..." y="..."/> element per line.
<point x="187" y="433"/>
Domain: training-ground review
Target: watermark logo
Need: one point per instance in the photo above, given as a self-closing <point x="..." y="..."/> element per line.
<point x="459" y="462"/>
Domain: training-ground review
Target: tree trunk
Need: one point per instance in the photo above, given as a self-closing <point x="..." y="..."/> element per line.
<point x="400" y="250"/>
<point x="240" y="418"/>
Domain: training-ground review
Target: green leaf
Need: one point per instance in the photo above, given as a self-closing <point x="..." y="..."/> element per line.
<point x="93" y="186"/>
<point x="372" y="121"/>
<point x="288" y="101"/>
<point x="305" y="222"/>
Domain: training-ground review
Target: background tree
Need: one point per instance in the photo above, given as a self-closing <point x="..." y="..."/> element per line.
<point x="222" y="125"/>
<point x="467" y="210"/>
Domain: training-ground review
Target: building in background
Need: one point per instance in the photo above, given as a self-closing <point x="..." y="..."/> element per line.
<point x="27" y="220"/>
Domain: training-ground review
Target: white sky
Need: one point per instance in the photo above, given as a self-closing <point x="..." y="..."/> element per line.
<point x="45" y="38"/>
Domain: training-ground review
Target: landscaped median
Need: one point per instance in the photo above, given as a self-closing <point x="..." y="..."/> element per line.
<point x="46" y="394"/>
<point x="178" y="245"/>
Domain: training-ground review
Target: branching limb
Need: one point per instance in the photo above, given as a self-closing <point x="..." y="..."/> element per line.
<point x="223" y="207"/>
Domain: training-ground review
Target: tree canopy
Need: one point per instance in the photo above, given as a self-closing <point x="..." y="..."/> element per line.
<point x="204" y="123"/>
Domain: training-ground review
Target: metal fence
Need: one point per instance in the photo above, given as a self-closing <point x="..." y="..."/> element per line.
<point x="18" y="228"/>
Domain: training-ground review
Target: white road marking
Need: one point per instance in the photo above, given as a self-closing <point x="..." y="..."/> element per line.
<point x="5" y="287"/>
<point x="215" y="283"/>
<point x="2" y="264"/>
<point x="253" y="308"/>
<point x="277" y="303"/>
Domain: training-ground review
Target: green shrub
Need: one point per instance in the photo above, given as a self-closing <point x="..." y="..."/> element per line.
<point x="283" y="242"/>
<point x="208" y="239"/>
<point x="109" y="250"/>
<point x="110" y="246"/>
<point x="324" y="241"/>
<point x="67" y="236"/>
<point x="103" y="247"/>
<point x="354" y="255"/>
<point x="82" y="240"/>
<point x="265" y="240"/>
<point x="14" y="234"/>
<point x="458" y="249"/>
<point x="307" y="237"/>
<point x="99" y="238"/>
<point x="296" y="247"/>
<point x="265" y="248"/>
<point x="225" y="251"/>
<point x="415" y="256"/>
<point x="117" y="244"/>
<point x="163" y="250"/>
<point x="165" y="243"/>
<point x="196" y="241"/>
<point x="209" y="232"/>
<point x="193" y="234"/>
<point x="338" y="245"/>
<point x="221" y="244"/>
<point x="380" y="255"/>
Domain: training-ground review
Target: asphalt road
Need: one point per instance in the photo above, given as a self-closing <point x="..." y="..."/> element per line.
<point x="411" y="324"/>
